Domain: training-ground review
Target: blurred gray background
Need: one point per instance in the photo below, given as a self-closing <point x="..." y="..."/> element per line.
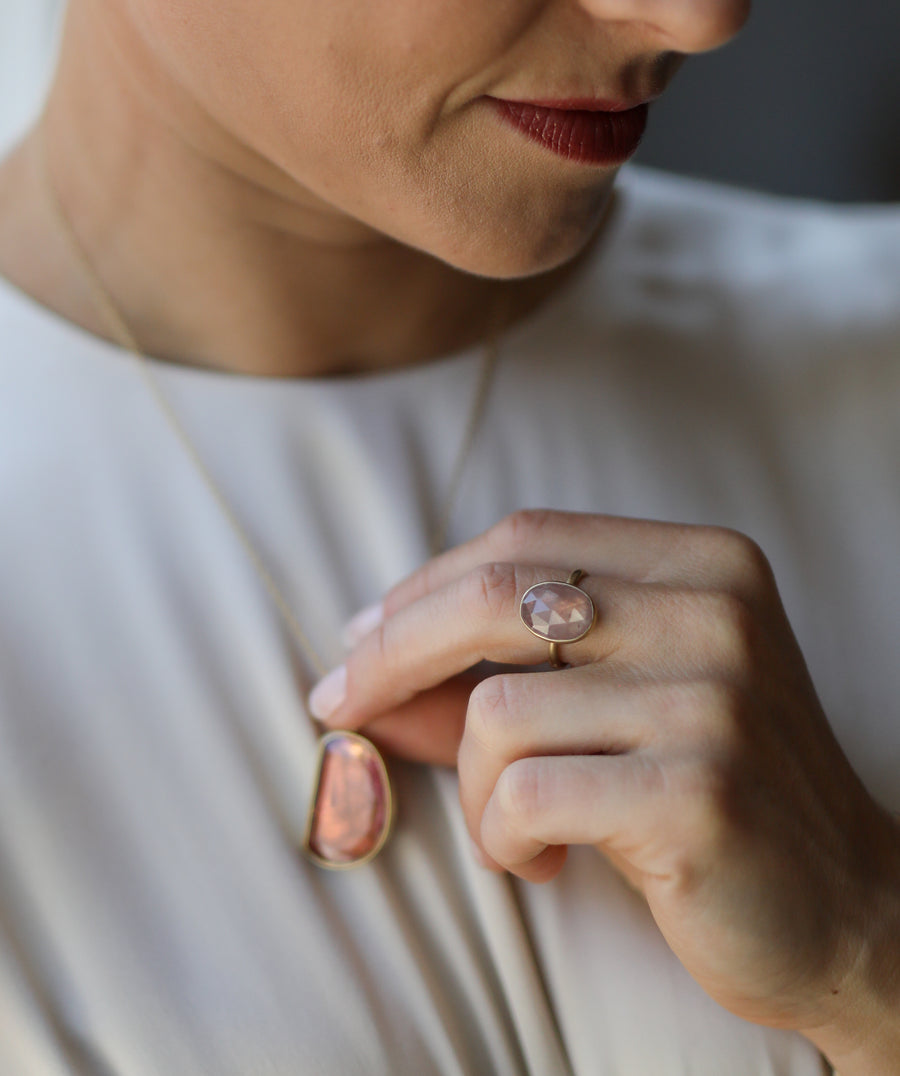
<point x="806" y="102"/>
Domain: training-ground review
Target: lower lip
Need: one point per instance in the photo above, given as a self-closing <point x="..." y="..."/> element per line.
<point x="587" y="137"/>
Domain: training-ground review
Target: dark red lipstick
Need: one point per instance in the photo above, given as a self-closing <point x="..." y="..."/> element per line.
<point x="588" y="132"/>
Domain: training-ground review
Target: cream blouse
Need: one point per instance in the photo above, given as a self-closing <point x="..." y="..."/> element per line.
<point x="724" y="358"/>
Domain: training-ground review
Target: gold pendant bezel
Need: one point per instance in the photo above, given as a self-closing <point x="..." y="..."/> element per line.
<point x="387" y="827"/>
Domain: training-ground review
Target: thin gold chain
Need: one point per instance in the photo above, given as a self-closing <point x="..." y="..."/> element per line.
<point x="122" y="333"/>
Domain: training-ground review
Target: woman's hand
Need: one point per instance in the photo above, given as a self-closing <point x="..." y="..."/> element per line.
<point x="685" y="742"/>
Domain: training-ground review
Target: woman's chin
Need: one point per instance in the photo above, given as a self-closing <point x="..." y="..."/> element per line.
<point x="509" y="259"/>
<point x="522" y="247"/>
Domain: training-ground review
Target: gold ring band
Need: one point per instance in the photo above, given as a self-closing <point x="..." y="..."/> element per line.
<point x="558" y="613"/>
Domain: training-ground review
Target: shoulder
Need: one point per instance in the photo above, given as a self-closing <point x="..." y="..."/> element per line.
<point x="736" y="226"/>
<point x="693" y="280"/>
<point x="705" y="256"/>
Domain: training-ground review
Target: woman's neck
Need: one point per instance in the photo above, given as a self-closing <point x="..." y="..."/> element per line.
<point x="213" y="255"/>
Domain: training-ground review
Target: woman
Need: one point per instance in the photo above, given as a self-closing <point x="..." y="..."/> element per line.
<point x="317" y="218"/>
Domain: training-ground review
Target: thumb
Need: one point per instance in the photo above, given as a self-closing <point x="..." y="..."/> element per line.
<point x="429" y="727"/>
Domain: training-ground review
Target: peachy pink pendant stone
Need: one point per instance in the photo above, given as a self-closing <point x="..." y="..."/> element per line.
<point x="558" y="612"/>
<point x="351" y="808"/>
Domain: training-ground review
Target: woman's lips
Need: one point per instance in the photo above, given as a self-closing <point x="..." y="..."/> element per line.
<point x="604" y="136"/>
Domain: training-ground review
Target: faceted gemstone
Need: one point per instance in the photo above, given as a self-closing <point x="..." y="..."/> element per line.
<point x="558" y="612"/>
<point x="351" y="812"/>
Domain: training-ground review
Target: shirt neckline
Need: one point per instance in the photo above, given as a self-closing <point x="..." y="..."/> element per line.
<point x="67" y="336"/>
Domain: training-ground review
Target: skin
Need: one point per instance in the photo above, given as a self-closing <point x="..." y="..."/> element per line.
<point x="263" y="187"/>
<point x="303" y="188"/>
<point x="685" y="742"/>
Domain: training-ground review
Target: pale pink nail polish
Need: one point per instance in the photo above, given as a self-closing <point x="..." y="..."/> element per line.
<point x="326" y="697"/>
<point x="360" y="625"/>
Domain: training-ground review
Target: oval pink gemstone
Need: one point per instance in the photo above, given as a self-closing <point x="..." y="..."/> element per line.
<point x="558" y="612"/>
<point x="351" y="813"/>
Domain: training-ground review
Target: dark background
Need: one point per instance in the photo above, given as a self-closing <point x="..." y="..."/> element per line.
<point x="806" y="102"/>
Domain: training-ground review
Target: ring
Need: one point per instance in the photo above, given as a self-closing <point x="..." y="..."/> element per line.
<point x="558" y="612"/>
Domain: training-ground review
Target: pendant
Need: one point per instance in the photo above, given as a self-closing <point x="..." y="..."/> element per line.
<point x="351" y="809"/>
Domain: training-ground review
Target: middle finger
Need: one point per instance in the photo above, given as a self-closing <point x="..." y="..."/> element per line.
<point x="588" y="712"/>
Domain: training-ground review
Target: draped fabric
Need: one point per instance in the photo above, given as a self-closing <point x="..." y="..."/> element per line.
<point x="722" y="358"/>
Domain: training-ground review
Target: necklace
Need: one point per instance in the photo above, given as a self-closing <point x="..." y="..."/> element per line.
<point x="351" y="808"/>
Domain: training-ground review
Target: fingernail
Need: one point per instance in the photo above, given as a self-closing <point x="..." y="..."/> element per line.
<point x="328" y="694"/>
<point x="480" y="858"/>
<point x="361" y="624"/>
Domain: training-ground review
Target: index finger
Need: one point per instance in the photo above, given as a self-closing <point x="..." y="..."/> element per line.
<point x="473" y="619"/>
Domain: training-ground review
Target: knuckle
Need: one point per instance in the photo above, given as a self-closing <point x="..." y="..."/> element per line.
<point x="492" y="589"/>
<point x="491" y="718"/>
<point x="740" y="556"/>
<point x="518" y="532"/>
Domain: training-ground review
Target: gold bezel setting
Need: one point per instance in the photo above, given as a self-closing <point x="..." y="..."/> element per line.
<point x="372" y="759"/>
